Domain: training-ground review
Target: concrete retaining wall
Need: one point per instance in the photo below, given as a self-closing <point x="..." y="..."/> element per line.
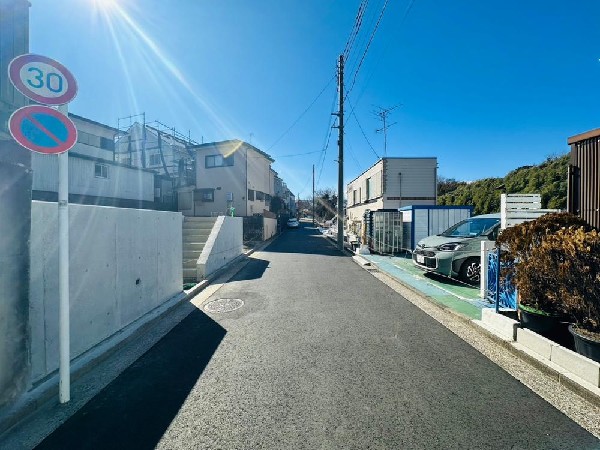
<point x="269" y="228"/>
<point x="123" y="264"/>
<point x="224" y="244"/>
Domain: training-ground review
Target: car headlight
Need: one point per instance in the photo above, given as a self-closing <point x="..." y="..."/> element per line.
<point x="450" y="246"/>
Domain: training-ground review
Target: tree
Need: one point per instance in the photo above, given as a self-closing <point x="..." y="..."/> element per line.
<point x="325" y="203"/>
<point x="277" y="204"/>
<point x="548" y="179"/>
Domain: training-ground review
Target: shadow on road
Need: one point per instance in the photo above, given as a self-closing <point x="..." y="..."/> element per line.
<point x="135" y="410"/>
<point x="307" y="240"/>
<point x="251" y="271"/>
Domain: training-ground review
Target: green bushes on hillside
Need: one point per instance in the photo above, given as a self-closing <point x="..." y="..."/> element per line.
<point x="548" y="179"/>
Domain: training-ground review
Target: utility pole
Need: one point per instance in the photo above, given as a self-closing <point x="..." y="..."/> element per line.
<point x="340" y="114"/>
<point x="383" y="114"/>
<point x="313" y="197"/>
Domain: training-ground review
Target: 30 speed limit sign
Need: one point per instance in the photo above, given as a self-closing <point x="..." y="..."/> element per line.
<point x="42" y="79"/>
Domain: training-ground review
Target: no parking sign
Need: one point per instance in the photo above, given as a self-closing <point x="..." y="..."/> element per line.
<point x="42" y="129"/>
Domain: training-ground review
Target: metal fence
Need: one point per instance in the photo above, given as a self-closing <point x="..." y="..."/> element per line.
<point x="500" y="288"/>
<point x="253" y="229"/>
<point x="384" y="232"/>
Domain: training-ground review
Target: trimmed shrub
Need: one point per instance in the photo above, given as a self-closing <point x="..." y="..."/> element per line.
<point x="570" y="261"/>
<point x="534" y="279"/>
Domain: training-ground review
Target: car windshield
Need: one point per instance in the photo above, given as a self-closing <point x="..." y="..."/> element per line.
<point x="471" y="227"/>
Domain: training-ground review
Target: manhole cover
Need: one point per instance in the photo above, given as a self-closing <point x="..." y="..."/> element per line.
<point x="223" y="305"/>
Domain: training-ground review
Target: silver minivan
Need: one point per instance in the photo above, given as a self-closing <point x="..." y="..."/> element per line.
<point x="457" y="251"/>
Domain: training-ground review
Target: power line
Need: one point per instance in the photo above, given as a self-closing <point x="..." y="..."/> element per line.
<point x="352" y="113"/>
<point x="302" y="115"/>
<point x="356" y="29"/>
<point x="330" y="125"/>
<point x="368" y="45"/>
<point x="299" y="154"/>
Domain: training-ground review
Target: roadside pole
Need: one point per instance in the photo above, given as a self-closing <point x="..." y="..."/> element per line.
<point x="313" y="197"/>
<point x="46" y="130"/>
<point x="63" y="273"/>
<point x="340" y="207"/>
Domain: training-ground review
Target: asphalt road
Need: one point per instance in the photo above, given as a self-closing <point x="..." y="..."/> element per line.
<point x="321" y="355"/>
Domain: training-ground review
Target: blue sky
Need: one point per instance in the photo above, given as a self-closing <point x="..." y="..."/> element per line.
<point x="485" y="86"/>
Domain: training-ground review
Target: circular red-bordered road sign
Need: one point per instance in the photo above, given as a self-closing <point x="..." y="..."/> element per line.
<point x="42" y="79"/>
<point x="42" y="129"/>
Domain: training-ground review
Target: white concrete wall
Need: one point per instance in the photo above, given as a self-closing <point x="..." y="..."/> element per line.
<point x="269" y="228"/>
<point x="224" y="244"/>
<point x="123" y="264"/>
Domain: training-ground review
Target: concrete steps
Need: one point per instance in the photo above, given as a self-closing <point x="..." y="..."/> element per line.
<point x="195" y="234"/>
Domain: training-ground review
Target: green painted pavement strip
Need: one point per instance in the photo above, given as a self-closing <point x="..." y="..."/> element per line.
<point x="458" y="297"/>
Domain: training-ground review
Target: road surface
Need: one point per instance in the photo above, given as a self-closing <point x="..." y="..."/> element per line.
<point x="320" y="355"/>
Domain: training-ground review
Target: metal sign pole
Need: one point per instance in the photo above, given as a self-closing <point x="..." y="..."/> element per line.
<point x="44" y="130"/>
<point x="63" y="274"/>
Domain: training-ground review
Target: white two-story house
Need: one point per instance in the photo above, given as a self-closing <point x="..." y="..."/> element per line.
<point x="229" y="174"/>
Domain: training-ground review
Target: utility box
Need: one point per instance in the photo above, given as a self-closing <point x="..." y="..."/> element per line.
<point x="420" y="221"/>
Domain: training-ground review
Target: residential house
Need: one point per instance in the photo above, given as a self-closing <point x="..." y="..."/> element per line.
<point x="94" y="176"/>
<point x="392" y="183"/>
<point x="583" y="196"/>
<point x="229" y="174"/>
<point x="165" y="151"/>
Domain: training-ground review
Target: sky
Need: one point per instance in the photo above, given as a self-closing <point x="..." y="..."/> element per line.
<point x="486" y="87"/>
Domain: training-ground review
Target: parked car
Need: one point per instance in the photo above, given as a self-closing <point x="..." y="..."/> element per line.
<point x="293" y="223"/>
<point x="457" y="251"/>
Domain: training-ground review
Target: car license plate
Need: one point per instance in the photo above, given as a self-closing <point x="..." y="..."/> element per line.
<point x="420" y="259"/>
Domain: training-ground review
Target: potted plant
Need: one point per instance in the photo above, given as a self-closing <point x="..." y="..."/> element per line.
<point x="541" y="307"/>
<point x="573" y="257"/>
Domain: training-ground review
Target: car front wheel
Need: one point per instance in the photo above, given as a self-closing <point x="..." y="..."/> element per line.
<point x="470" y="271"/>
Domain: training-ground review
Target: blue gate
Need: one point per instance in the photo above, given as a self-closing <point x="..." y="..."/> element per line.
<point x="507" y="293"/>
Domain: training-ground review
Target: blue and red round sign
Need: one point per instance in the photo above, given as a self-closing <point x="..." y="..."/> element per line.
<point x="42" y="129"/>
<point x="42" y="79"/>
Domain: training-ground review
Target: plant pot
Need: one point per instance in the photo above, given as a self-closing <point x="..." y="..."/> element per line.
<point x="585" y="346"/>
<point x="548" y="325"/>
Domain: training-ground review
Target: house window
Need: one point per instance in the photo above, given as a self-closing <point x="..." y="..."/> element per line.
<point x="250" y="194"/>
<point x="368" y="188"/>
<point x="260" y="196"/>
<point x="354" y="202"/>
<point x="211" y="161"/>
<point x="107" y="144"/>
<point x="155" y="159"/>
<point x="205" y="195"/>
<point x="100" y="170"/>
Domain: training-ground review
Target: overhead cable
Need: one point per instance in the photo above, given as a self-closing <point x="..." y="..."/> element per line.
<point x="302" y="115"/>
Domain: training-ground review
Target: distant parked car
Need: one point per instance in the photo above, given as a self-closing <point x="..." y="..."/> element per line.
<point x="293" y="223"/>
<point x="457" y="251"/>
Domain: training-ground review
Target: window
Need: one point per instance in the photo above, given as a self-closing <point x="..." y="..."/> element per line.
<point x="250" y="194"/>
<point x="88" y="139"/>
<point x="354" y="202"/>
<point x="100" y="170"/>
<point x="260" y="196"/>
<point x="155" y="160"/>
<point x="205" y="195"/>
<point x="107" y="144"/>
<point x="368" y="188"/>
<point x="211" y="161"/>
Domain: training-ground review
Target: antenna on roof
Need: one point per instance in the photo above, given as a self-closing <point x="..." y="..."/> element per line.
<point x="383" y="115"/>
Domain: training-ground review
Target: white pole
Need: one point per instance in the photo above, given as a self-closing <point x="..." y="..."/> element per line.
<point x="63" y="274"/>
